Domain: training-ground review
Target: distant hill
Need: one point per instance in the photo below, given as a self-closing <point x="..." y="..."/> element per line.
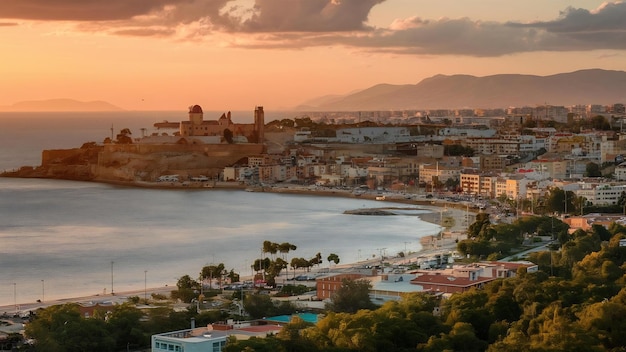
<point x="594" y="86"/>
<point x="61" y="105"/>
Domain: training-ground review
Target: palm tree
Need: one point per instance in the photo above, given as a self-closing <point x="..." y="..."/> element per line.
<point x="285" y="247"/>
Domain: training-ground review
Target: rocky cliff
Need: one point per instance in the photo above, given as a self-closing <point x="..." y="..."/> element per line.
<point x="137" y="162"/>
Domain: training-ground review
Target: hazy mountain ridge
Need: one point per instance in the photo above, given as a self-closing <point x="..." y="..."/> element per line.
<point x="593" y="86"/>
<point x="61" y="105"/>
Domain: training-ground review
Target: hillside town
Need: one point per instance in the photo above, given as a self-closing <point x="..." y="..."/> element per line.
<point x="517" y="155"/>
<point x="553" y="162"/>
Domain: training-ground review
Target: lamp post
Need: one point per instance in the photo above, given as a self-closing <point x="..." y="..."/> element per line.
<point x="112" y="292"/>
<point x="15" y="296"/>
<point x="43" y="292"/>
<point x="145" y="285"/>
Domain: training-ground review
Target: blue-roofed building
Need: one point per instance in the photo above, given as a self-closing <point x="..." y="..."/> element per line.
<point x="285" y="319"/>
<point x="190" y="340"/>
<point x="391" y="287"/>
<point x="211" y="338"/>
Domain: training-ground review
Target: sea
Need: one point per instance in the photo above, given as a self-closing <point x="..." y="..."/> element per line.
<point x="63" y="239"/>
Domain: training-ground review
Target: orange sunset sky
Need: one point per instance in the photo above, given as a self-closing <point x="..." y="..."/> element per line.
<point x="236" y="54"/>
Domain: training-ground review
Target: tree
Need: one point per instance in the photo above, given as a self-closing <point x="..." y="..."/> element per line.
<point x="297" y="263"/>
<point x="228" y="136"/>
<point x="258" y="305"/>
<point x="333" y="258"/>
<point x="600" y="122"/>
<point x="124" y="137"/>
<point x="606" y="320"/>
<point x="188" y="289"/>
<point x="460" y="338"/>
<point x="62" y="328"/>
<point x="270" y="247"/>
<point x="285" y="247"/>
<point x="593" y="170"/>
<point x="481" y="222"/>
<point x="317" y="260"/>
<point x="557" y="199"/>
<point x="124" y="324"/>
<point x="351" y="296"/>
<point x="213" y="272"/>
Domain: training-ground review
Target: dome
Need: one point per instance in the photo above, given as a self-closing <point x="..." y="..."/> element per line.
<point x="196" y="109"/>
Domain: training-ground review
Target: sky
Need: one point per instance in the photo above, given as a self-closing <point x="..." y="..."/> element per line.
<point x="238" y="54"/>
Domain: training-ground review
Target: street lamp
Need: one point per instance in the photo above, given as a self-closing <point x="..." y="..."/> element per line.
<point x="15" y="296"/>
<point x="112" y="293"/>
<point x="43" y="295"/>
<point x="145" y="285"/>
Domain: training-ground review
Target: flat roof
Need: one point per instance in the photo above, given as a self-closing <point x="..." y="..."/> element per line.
<point x="308" y="317"/>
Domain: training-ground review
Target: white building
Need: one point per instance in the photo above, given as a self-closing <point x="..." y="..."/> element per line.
<point x="190" y="340"/>
<point x="468" y="132"/>
<point x="600" y="193"/>
<point x="373" y="135"/>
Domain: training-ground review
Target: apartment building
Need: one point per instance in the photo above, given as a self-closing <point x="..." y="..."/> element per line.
<point x="498" y="146"/>
<point x="513" y="186"/>
<point x="478" y="183"/>
<point x="600" y="194"/>
<point x="549" y="168"/>
<point x="430" y="172"/>
<point x="434" y="151"/>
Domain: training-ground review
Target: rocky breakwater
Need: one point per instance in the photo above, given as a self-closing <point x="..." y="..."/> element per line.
<point x="370" y="211"/>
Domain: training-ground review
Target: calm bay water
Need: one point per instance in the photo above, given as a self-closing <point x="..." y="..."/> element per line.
<point x="68" y="233"/>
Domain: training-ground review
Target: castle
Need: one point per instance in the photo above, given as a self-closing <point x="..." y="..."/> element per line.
<point x="198" y="130"/>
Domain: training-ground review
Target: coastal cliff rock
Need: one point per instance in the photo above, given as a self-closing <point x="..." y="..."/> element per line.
<point x="136" y="162"/>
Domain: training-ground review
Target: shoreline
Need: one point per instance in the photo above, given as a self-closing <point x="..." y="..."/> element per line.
<point x="429" y="245"/>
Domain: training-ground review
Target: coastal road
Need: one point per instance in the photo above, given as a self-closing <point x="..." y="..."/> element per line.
<point x="119" y="297"/>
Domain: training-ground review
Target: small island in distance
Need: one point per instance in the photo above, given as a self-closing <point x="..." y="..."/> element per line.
<point x="60" y="105"/>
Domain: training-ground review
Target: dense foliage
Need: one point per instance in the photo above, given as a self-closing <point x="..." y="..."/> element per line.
<point x="576" y="301"/>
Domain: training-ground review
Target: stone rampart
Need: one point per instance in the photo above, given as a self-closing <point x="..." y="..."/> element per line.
<point x="56" y="156"/>
<point x="148" y="162"/>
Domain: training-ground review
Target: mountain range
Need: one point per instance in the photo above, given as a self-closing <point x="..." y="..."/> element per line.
<point x="61" y="105"/>
<point x="593" y="86"/>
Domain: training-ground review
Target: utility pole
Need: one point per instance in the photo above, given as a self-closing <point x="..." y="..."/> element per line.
<point x="15" y="296"/>
<point x="382" y="257"/>
<point x="145" y="285"/>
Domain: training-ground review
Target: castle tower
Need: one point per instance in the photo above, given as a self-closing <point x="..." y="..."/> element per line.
<point x="259" y="124"/>
<point x="195" y="120"/>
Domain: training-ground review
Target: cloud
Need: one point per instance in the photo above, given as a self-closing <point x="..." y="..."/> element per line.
<point x="290" y="24"/>
<point x="81" y="10"/>
<point x="8" y="24"/>
<point x="309" y="15"/>
<point x="225" y="15"/>
<point x="573" y="30"/>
